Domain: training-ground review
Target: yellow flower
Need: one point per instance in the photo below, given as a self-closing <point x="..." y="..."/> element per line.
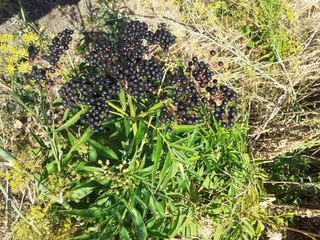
<point x="3" y="47"/>
<point x="11" y="49"/>
<point x="27" y="87"/>
<point x="11" y="59"/>
<point x="24" y="67"/>
<point x="22" y="52"/>
<point x="29" y="38"/>
<point x="6" y="37"/>
<point x="10" y="69"/>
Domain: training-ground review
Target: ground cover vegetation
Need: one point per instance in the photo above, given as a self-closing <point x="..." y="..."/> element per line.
<point x="143" y="132"/>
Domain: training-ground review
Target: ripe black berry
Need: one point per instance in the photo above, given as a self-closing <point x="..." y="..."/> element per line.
<point x="212" y="52"/>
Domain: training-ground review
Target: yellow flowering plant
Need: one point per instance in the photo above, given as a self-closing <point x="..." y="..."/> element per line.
<point x="15" y="64"/>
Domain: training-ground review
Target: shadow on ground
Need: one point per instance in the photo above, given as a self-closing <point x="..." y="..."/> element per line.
<point x="35" y="9"/>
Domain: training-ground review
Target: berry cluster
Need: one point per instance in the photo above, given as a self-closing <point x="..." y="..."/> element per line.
<point x="33" y="51"/>
<point x="93" y="91"/>
<point x="126" y="65"/>
<point x="58" y="45"/>
<point x="38" y="74"/>
<point x="112" y="66"/>
<point x="198" y="90"/>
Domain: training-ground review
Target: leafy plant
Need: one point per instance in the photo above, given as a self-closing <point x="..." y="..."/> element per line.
<point x="288" y="177"/>
<point x="142" y="155"/>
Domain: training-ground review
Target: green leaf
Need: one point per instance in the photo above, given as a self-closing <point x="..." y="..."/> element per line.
<point x="179" y="66"/>
<point x="72" y="139"/>
<point x="155" y="206"/>
<point x="119" y="112"/>
<point x="247" y="31"/>
<point x="157" y="235"/>
<point x="90" y="213"/>
<point x="137" y="221"/>
<point x="141" y="202"/>
<point x="164" y="170"/>
<point x="123" y="102"/>
<point x="127" y="126"/>
<point x="85" y="136"/>
<point x="139" y="224"/>
<point x="155" y="108"/>
<point x="39" y="140"/>
<point x="65" y="115"/>
<point x="87" y="237"/>
<point x="156" y="155"/>
<point x="123" y="233"/>
<point x="248" y="229"/>
<point x="183" y="148"/>
<point x="83" y="190"/>
<point x="140" y="133"/>
<point x="88" y="169"/>
<point x="93" y="155"/>
<point x="180" y="222"/>
<point x="103" y="149"/>
<point x="194" y="195"/>
<point x="250" y="43"/>
<point x="185" y="128"/>
<point x="66" y="76"/>
<point x="218" y="232"/>
<point x="23" y="104"/>
<point x="72" y="120"/>
<point x="57" y="101"/>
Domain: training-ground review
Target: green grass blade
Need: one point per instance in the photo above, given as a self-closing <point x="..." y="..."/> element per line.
<point x="180" y="147"/>
<point x="72" y="120"/>
<point x="83" y="189"/>
<point x="180" y="67"/>
<point x="137" y="221"/>
<point x="4" y="154"/>
<point x="155" y="206"/>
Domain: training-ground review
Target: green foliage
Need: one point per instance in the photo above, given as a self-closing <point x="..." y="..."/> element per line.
<point x="268" y="31"/>
<point x="265" y="24"/>
<point x="289" y="172"/>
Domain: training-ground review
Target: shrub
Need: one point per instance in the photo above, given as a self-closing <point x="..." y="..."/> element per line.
<point x="141" y="150"/>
